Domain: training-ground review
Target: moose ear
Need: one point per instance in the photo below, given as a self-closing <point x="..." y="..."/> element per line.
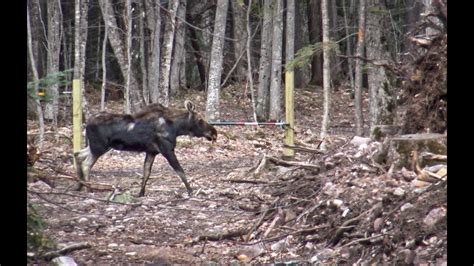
<point x="189" y="106"/>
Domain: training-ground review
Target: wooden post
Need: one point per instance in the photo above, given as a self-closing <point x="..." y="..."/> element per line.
<point x="76" y="116"/>
<point x="289" y="110"/>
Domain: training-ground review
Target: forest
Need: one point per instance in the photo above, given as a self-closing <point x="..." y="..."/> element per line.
<point x="290" y="131"/>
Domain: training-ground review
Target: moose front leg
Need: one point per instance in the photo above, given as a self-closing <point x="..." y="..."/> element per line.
<point x="173" y="161"/>
<point x="149" y="159"/>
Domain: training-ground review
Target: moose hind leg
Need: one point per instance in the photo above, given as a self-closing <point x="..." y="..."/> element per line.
<point x="84" y="162"/>
<point x="149" y="159"/>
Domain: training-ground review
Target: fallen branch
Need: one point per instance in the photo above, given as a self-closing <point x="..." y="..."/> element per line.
<point x="303" y="149"/>
<point x="221" y="236"/>
<point x="82" y="196"/>
<point x="361" y="240"/>
<point x="350" y="224"/>
<point x="291" y="163"/>
<point x="52" y="254"/>
<point x="246" y="181"/>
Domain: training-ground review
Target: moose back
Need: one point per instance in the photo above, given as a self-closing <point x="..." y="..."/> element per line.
<point x="152" y="130"/>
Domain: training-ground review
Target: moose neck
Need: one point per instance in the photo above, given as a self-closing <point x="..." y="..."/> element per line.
<point x="182" y="125"/>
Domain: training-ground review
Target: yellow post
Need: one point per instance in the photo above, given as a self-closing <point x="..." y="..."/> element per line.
<point x="76" y="116"/>
<point x="289" y="110"/>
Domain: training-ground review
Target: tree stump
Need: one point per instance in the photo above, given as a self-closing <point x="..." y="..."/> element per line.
<point x="399" y="149"/>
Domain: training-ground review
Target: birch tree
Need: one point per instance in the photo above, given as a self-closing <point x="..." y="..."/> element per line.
<point x="358" y="69"/>
<point x="263" y="89"/>
<point x="168" y="40"/>
<point x="275" y="78"/>
<point x="177" y="67"/>
<point x="215" y="68"/>
<point x="326" y="72"/>
<point x="54" y="49"/>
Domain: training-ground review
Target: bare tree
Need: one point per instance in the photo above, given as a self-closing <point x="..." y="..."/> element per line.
<point x="249" y="61"/>
<point x="215" y="69"/>
<point x="179" y="53"/>
<point x="381" y="90"/>
<point x="314" y="28"/>
<point x="119" y="48"/>
<point x="358" y="70"/>
<point x="154" y="24"/>
<point x="104" y="67"/>
<point x="128" y="19"/>
<point x="240" y="36"/>
<point x="54" y="49"/>
<point x="80" y="39"/>
<point x="168" y="41"/>
<point x="263" y="89"/>
<point x="31" y="56"/>
<point x="326" y="71"/>
<point x="143" y="52"/>
<point x="275" y="79"/>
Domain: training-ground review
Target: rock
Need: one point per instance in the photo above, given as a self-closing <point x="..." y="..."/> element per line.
<point x="131" y="253"/>
<point x="112" y="245"/>
<point x="407" y="175"/>
<point x="63" y="261"/>
<point x="83" y="220"/>
<point x="406" y="206"/>
<point x="378" y="223"/>
<point x="434" y="216"/>
<point x="399" y="192"/>
<point x="358" y="141"/>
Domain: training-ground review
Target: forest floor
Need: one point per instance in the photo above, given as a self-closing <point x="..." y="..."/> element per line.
<point x="338" y="207"/>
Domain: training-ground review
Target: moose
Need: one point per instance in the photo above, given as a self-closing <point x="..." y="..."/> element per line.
<point x="152" y="130"/>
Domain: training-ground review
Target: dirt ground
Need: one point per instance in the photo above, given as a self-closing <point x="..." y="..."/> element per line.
<point x="339" y="208"/>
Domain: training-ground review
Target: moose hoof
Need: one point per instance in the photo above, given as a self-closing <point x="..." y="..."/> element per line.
<point x="141" y="194"/>
<point x="77" y="187"/>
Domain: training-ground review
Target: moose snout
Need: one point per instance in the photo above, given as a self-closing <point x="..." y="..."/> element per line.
<point x="211" y="135"/>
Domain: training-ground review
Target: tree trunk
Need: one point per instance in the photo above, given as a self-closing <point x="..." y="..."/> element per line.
<point x="350" y="62"/>
<point x="179" y="54"/>
<point x="54" y="49"/>
<point x="32" y="57"/>
<point x="128" y="19"/>
<point x="168" y="41"/>
<point x="80" y="39"/>
<point x="154" y="24"/>
<point x="197" y="52"/>
<point x="381" y="90"/>
<point x="359" y="119"/>
<point x="275" y="79"/>
<point x="263" y="90"/>
<point x="326" y="72"/>
<point x="143" y="54"/>
<point x="334" y="35"/>
<point x="240" y="34"/>
<point x="249" y="61"/>
<point x="215" y="69"/>
<point x="120" y="51"/>
<point x="104" y="66"/>
<point x="300" y="78"/>
<point x="314" y="28"/>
